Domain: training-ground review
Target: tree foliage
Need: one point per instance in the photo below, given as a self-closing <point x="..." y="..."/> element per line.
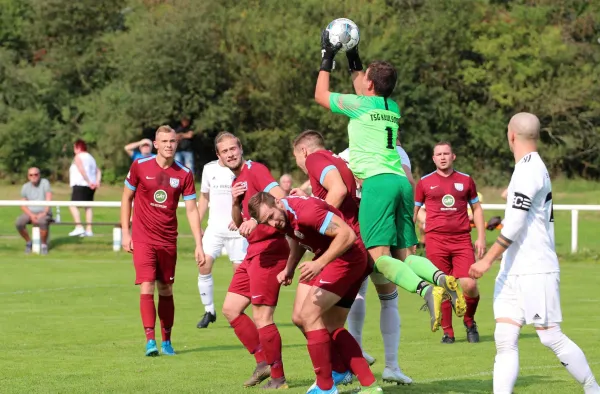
<point x="107" y="70"/>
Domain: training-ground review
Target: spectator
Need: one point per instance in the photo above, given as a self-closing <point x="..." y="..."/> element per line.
<point x="37" y="189"/>
<point x="84" y="178"/>
<point x="185" y="151"/>
<point x="139" y="149"/>
<point x="286" y="183"/>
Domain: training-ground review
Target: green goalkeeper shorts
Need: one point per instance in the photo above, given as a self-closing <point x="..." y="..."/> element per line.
<point x="386" y="212"/>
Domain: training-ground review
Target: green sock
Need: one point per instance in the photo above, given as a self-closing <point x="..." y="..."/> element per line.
<point x="399" y="273"/>
<point x="424" y="268"/>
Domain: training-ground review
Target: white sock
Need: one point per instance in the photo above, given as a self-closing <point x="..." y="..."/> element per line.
<point x="506" y="367"/>
<point x="205" y="287"/>
<point x="571" y="356"/>
<point x="356" y="316"/>
<point x="389" y="324"/>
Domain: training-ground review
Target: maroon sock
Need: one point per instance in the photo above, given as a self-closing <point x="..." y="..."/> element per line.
<point x="337" y="362"/>
<point x="270" y="341"/>
<point x="351" y="353"/>
<point x="148" y="313"/>
<point x="319" y="349"/>
<point x="166" y="314"/>
<point x="447" y="318"/>
<point x="247" y="333"/>
<point x="471" y="309"/>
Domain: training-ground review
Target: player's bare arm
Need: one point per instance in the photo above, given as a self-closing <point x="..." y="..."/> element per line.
<point x="203" y="205"/>
<point x="237" y="194"/>
<point x="336" y="188"/>
<point x="416" y="213"/>
<point x="480" y="226"/>
<point x="296" y="252"/>
<point x="126" y="200"/>
<point x="343" y="239"/>
<point x="322" y="92"/>
<point x="191" y="210"/>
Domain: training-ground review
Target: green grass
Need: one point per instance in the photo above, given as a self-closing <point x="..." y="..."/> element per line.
<point x="70" y="322"/>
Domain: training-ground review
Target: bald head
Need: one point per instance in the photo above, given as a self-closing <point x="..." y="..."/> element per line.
<point x="525" y="126"/>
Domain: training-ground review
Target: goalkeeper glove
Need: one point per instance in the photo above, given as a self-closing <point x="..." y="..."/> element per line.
<point x="354" y="62"/>
<point x="328" y="52"/>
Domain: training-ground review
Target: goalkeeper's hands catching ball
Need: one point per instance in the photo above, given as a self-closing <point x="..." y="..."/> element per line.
<point x="328" y="52"/>
<point x="354" y="62"/>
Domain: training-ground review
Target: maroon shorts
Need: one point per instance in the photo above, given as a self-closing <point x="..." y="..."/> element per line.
<point x="154" y="262"/>
<point x="344" y="275"/>
<point x="256" y="279"/>
<point x="453" y="254"/>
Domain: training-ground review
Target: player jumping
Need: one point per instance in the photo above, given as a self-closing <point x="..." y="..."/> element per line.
<point x="527" y="286"/>
<point x="255" y="280"/>
<point x="156" y="183"/>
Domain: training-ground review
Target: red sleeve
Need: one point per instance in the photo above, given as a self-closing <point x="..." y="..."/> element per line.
<point x="132" y="176"/>
<point x="189" y="187"/>
<point x="261" y="177"/>
<point x="315" y="216"/>
<point x="317" y="167"/>
<point x="419" y="194"/>
<point x="473" y="198"/>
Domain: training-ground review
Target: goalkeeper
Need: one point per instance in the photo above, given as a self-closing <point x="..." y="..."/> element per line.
<point x="386" y="208"/>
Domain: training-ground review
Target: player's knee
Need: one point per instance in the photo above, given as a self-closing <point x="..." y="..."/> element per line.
<point x="469" y="286"/>
<point x="550" y="337"/>
<point x="165" y="289"/>
<point x="230" y="312"/>
<point x="506" y="337"/>
<point x="297" y="319"/>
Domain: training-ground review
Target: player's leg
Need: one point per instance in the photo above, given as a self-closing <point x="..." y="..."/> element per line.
<point x="406" y="234"/>
<point x="378" y="231"/>
<point x="463" y="256"/>
<point x="236" y="301"/>
<point x="145" y="263"/>
<point x="356" y="317"/>
<point x="212" y="245"/>
<point x="301" y="293"/>
<point x="264" y="288"/>
<point x="542" y="302"/>
<point x="44" y="224"/>
<point x="21" y="224"/>
<point x="165" y="274"/>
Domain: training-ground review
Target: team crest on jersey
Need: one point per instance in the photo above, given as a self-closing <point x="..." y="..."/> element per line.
<point x="299" y="234"/>
<point x="448" y="201"/>
<point x="174" y="182"/>
<point x="459" y="186"/>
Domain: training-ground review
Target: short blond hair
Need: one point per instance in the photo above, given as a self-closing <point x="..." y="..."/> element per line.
<point x="163" y="129"/>
<point x="223" y="135"/>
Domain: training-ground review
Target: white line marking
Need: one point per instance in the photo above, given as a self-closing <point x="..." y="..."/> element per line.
<point x="20" y="292"/>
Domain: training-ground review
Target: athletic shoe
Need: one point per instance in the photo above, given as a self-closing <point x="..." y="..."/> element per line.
<point x="472" y="333"/>
<point x="395" y="376"/>
<point x="87" y="234"/>
<point x="447" y="339"/>
<point x="370" y="359"/>
<point x="207" y="319"/>
<point x="44" y="249"/>
<point x="433" y="302"/>
<point x="261" y="372"/>
<point x="79" y="231"/>
<point x="457" y="298"/>
<point x="151" y="349"/>
<point x="371" y="389"/>
<point x="167" y="349"/>
<point x="339" y="378"/>
<point x="276" y="384"/>
<point x="28" y="247"/>
<point x="317" y="390"/>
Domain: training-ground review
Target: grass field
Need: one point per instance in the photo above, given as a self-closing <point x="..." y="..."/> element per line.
<point x="70" y="321"/>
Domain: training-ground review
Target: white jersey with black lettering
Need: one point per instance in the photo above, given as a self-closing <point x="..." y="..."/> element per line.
<point x="216" y="181"/>
<point x="529" y="220"/>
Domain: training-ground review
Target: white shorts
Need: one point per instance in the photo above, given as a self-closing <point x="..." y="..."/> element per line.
<point x="528" y="299"/>
<point x="214" y="244"/>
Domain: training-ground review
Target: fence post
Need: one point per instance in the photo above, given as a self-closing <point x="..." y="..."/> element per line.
<point x="574" y="228"/>
<point x="35" y="240"/>
<point x="117" y="233"/>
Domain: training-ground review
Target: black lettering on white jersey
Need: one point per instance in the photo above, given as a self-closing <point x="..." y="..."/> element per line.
<point x="526" y="159"/>
<point x="521" y="201"/>
<point x="549" y="198"/>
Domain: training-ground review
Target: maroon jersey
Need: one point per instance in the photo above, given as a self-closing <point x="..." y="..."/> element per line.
<point x="308" y="218"/>
<point x="318" y="164"/>
<point x="264" y="239"/>
<point x="446" y="200"/>
<point x="157" y="194"/>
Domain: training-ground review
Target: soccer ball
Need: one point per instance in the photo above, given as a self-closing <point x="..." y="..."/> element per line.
<point x="345" y="31"/>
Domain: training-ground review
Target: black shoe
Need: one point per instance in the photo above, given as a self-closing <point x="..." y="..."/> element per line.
<point x="447" y="339"/>
<point x="207" y="319"/>
<point x="472" y="333"/>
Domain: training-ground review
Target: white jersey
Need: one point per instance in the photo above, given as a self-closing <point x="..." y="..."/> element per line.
<point x="89" y="166"/>
<point x="529" y="220"/>
<point x="216" y="181"/>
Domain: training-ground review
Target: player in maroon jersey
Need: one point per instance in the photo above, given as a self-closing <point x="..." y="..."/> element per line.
<point x="255" y="280"/>
<point x="156" y="183"/>
<point x="447" y="194"/>
<point x="335" y="274"/>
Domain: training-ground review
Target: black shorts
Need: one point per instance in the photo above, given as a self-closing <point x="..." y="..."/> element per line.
<point x="82" y="193"/>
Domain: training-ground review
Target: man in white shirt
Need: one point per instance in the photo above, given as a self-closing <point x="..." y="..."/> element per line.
<point x="220" y="233"/>
<point x="527" y="286"/>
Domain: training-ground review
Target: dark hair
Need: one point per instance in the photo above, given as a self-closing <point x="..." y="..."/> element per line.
<point x="384" y="77"/>
<point x="443" y="143"/>
<point x="80" y="145"/>
<point x="225" y="135"/>
<point x="312" y="137"/>
<point x="257" y="200"/>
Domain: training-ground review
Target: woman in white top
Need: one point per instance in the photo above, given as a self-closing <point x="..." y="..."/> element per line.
<point x="84" y="178"/>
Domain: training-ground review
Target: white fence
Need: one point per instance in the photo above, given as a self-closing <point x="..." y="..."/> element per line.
<point x="117" y="204"/>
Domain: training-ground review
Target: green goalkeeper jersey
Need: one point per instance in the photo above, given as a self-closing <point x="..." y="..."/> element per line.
<point x="372" y="133"/>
